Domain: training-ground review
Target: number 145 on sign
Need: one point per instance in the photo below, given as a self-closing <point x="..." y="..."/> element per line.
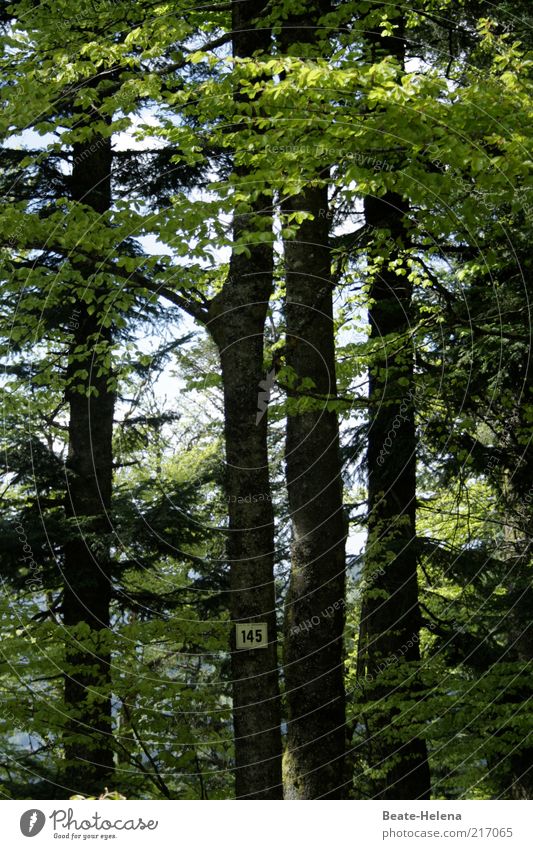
<point x="251" y="635"/>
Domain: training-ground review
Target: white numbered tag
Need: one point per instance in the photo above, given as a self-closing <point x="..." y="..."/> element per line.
<point x="251" y="635"/>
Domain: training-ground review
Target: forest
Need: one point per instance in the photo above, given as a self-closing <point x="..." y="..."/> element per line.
<point x="266" y="488"/>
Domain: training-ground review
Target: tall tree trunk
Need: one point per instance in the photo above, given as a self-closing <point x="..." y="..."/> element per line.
<point x="87" y="587"/>
<point x="390" y="620"/>
<point x="314" y="764"/>
<point x="238" y="316"/>
<point x="314" y="613"/>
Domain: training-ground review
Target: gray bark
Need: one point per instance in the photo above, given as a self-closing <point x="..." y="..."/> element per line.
<point x="87" y="587"/>
<point x="314" y="612"/>
<point x="237" y="322"/>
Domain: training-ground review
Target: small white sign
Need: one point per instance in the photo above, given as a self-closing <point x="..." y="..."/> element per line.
<point x="251" y="635"/>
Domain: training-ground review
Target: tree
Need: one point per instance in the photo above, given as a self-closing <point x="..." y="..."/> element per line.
<point x="314" y="606"/>
<point x="333" y="170"/>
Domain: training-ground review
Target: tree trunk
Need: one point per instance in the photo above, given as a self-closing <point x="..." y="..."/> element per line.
<point x="87" y="587"/>
<point x="314" y="618"/>
<point x="390" y="623"/>
<point x="314" y="765"/>
<point x="237" y="322"/>
<point x="390" y="617"/>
